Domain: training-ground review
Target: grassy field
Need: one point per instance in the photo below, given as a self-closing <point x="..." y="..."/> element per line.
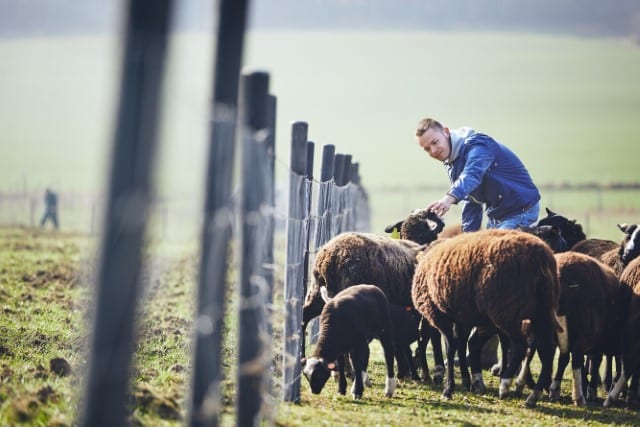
<point x="45" y="300"/>
<point x="568" y="106"/>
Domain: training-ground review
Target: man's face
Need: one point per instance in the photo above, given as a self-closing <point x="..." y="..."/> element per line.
<point x="436" y="143"/>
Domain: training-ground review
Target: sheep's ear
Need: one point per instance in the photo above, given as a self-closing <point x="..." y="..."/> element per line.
<point x="390" y="228"/>
<point x="623" y="227"/>
<point x="550" y="212"/>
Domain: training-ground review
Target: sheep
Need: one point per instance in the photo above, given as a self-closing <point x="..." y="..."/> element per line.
<point x="347" y="323"/>
<point x="630" y="279"/>
<point x="352" y="258"/>
<point x="495" y="280"/>
<point x="574" y="235"/>
<point x="628" y="249"/>
<point x="591" y="300"/>
<point x="549" y="234"/>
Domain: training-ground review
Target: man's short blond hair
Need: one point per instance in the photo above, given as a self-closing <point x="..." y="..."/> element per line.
<point x="425" y="124"/>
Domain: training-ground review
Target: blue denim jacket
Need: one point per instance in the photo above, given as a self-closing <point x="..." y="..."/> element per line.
<point x="485" y="171"/>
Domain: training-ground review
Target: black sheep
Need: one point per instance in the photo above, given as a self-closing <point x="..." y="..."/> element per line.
<point x="348" y="322"/>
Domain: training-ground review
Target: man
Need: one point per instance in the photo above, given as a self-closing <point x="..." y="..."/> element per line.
<point x="51" y="208"/>
<point x="481" y="171"/>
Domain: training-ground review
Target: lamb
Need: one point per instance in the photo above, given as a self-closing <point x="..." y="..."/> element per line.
<point x="348" y="322"/>
<point x="495" y="280"/>
<point x="550" y="235"/>
<point x="421" y="226"/>
<point x="630" y="279"/>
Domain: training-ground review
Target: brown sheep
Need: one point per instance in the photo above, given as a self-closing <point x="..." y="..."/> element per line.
<point x="589" y="298"/>
<point x="630" y="279"/>
<point x="495" y="280"/>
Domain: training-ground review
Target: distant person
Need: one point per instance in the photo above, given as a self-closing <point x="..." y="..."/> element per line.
<point x="51" y="208"/>
<point x="482" y="171"/>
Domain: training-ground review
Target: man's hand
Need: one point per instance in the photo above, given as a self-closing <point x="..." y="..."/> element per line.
<point x="442" y="206"/>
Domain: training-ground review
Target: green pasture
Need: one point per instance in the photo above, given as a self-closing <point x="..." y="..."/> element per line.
<point x="46" y="301"/>
<point x="568" y="106"/>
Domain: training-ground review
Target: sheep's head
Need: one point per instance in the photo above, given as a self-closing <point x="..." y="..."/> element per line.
<point x="569" y="229"/>
<point x="421" y="226"/>
<point x="630" y="247"/>
<point x="317" y="371"/>
<point x="551" y="236"/>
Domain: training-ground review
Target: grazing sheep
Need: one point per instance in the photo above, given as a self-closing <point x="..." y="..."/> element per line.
<point x="347" y="323"/>
<point x="575" y="237"/>
<point x="630" y="279"/>
<point x="495" y="280"/>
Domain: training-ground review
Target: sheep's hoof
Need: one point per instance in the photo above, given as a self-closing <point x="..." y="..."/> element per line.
<point x="580" y="401"/>
<point x="518" y="390"/>
<point x="554" y="394"/>
<point x="438" y="375"/>
<point x="592" y="394"/>
<point x="447" y="394"/>
<point x="608" y="402"/>
<point x="531" y="401"/>
<point x="478" y="387"/>
<point x="357" y="396"/>
<point x="503" y="394"/>
<point x="427" y="379"/>
<point x="466" y="383"/>
<point x="496" y="370"/>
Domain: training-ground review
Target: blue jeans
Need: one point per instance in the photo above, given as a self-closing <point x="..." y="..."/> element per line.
<point x="525" y="218"/>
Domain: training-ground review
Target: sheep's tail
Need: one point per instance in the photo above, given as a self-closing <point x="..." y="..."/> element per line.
<point x="527" y="329"/>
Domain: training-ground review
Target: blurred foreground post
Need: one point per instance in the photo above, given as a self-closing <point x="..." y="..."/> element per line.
<point x="112" y="341"/>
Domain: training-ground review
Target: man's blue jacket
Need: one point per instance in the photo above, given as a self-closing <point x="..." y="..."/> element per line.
<point x="482" y="170"/>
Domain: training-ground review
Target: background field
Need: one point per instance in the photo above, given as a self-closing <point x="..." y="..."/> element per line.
<point x="568" y="106"/>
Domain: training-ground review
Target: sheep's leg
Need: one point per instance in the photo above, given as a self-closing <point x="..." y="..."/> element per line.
<point x="476" y="343"/>
<point x="554" y="388"/>
<point x="451" y="346"/>
<point x="632" y="392"/>
<point x="360" y="359"/>
<point x="517" y="349"/>
<point x="594" y="377"/>
<point x="387" y="345"/>
<point x="608" y="375"/>
<point x="577" y="361"/>
<point x="436" y="346"/>
<point x="421" y="352"/>
<point x="504" y="356"/>
<point x="342" y="379"/>
<point x="616" y="389"/>
<point x="461" y="343"/>
<point x="524" y="377"/>
<point x="546" y="350"/>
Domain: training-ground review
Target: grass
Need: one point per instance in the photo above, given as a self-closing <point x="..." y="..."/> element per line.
<point x="45" y="298"/>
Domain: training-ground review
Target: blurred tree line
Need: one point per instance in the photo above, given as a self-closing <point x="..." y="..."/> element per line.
<point x="581" y="17"/>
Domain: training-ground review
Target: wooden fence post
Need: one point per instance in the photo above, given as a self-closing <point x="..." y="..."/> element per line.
<point x="254" y="356"/>
<point x="293" y="285"/>
<point x="112" y="341"/>
<point x="218" y="217"/>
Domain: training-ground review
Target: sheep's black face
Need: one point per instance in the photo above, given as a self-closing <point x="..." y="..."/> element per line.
<point x="422" y="227"/>
<point x="570" y="231"/>
<point x="550" y="235"/>
<point x="317" y="373"/>
<point x="631" y="248"/>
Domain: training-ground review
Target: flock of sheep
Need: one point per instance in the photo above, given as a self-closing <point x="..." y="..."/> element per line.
<point x="539" y="288"/>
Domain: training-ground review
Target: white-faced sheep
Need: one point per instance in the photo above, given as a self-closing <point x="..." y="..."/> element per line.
<point x="347" y="323"/>
<point x="495" y="280"/>
<point x="628" y="249"/>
